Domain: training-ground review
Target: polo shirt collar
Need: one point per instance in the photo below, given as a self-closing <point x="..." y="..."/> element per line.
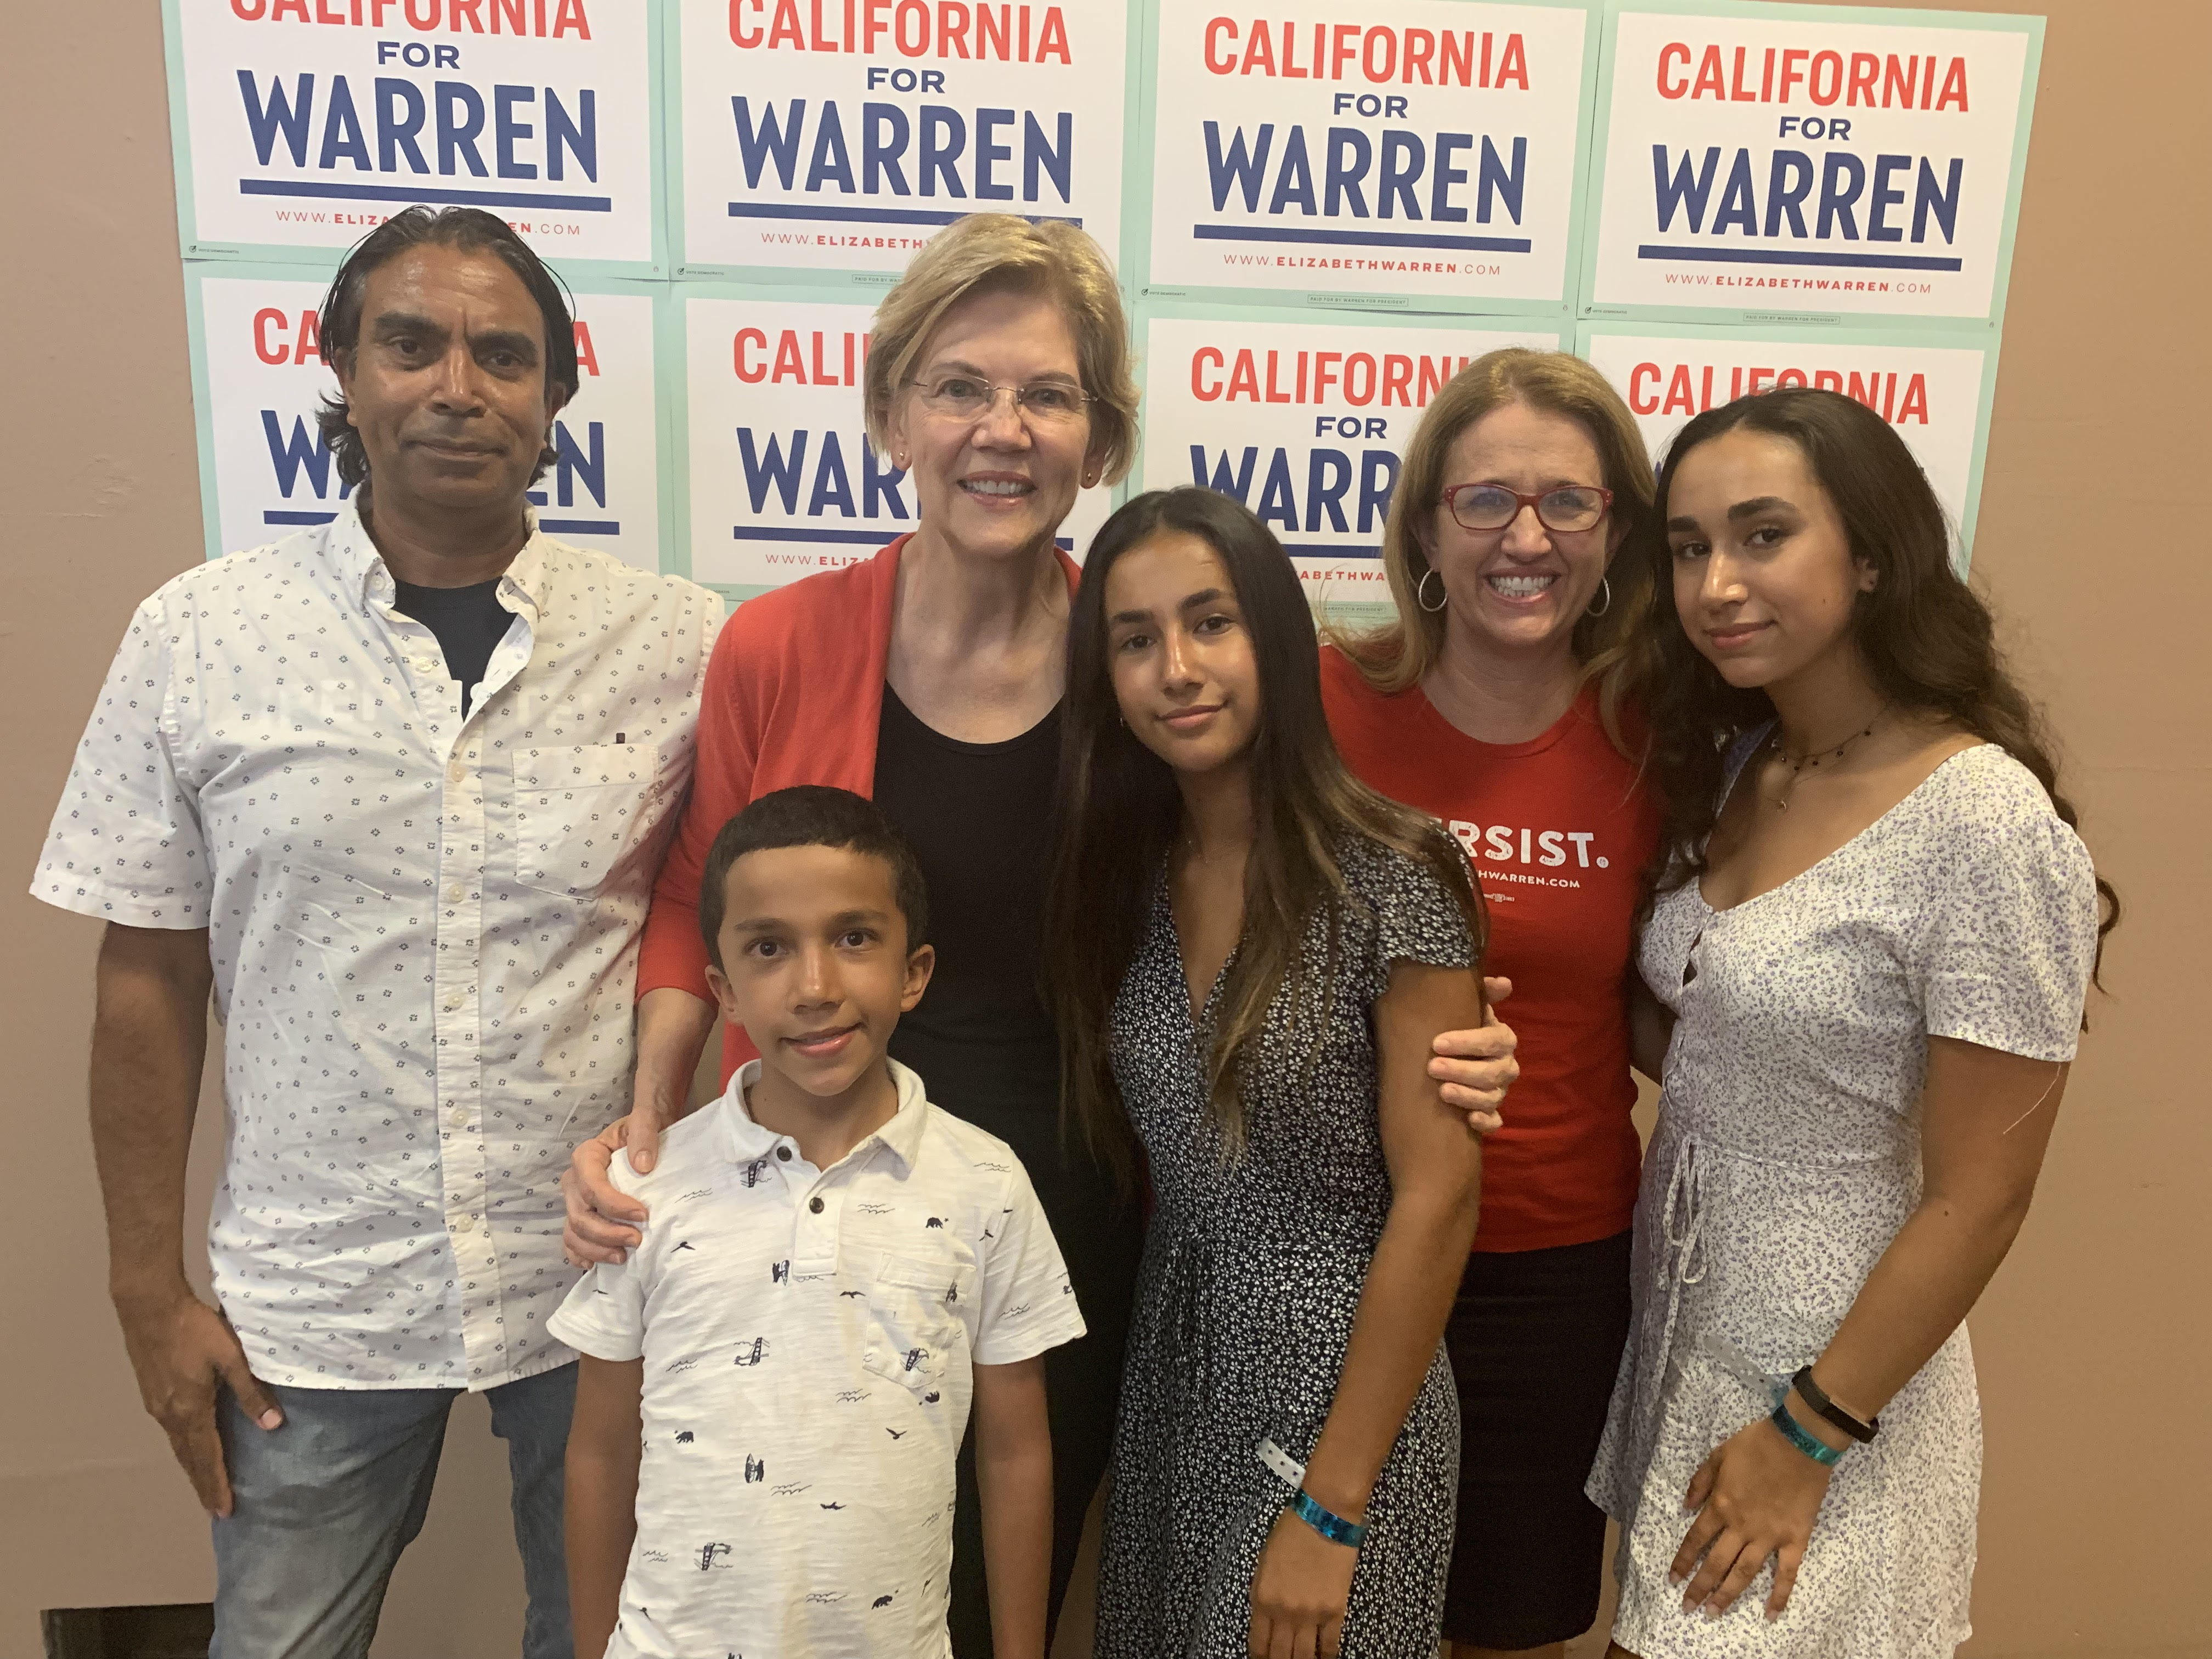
<point x="901" y="1136"/>
<point x="353" y="552"/>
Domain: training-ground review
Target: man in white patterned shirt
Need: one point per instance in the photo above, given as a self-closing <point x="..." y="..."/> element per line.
<point x="394" y="790"/>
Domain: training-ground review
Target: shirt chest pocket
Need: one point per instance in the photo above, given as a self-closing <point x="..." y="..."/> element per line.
<point x="919" y="1309"/>
<point x="578" y="811"/>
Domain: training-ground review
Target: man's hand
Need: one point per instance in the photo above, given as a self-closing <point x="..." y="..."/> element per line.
<point x="1474" y="1069"/>
<point x="183" y="1352"/>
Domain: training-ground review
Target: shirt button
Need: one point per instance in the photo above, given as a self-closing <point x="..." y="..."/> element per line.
<point x="467" y="1224"/>
<point x="784" y="1153"/>
<point x="815" y="1205"/>
<point x="460" y="1117"/>
<point x="456" y="893"/>
<point x="457" y="773"/>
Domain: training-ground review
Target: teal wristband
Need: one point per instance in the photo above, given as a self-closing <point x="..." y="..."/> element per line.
<point x="1331" y="1526"/>
<point x="1794" y="1431"/>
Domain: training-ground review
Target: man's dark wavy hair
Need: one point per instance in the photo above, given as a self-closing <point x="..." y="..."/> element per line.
<point x="471" y="230"/>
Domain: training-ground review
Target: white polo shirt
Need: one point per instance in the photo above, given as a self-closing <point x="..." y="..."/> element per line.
<point x="807" y="1337"/>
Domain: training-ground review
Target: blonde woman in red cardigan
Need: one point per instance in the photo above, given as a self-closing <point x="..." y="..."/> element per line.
<point x="928" y="677"/>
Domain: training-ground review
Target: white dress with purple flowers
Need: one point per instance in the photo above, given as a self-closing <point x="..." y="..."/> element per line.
<point x="1787" y="1157"/>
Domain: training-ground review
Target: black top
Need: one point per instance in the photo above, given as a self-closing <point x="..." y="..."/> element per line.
<point x="979" y="816"/>
<point x="470" y="623"/>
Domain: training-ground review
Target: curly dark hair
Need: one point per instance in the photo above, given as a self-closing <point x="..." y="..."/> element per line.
<point x="471" y="230"/>
<point x="1926" y="637"/>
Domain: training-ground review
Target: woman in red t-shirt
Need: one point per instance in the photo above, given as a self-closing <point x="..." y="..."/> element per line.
<point x="1494" y="703"/>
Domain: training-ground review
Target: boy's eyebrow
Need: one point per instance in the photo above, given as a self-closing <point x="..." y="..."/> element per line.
<point x="778" y="924"/>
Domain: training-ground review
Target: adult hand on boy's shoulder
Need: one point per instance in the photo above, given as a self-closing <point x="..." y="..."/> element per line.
<point x="603" y="1222"/>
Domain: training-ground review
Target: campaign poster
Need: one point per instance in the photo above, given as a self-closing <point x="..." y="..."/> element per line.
<point x="259" y="376"/>
<point x="838" y="136"/>
<point x="780" y="480"/>
<point x="1799" y="160"/>
<point x="301" y="125"/>
<point x="1933" y="390"/>
<point x="1395" y="152"/>
<point x="1304" y="423"/>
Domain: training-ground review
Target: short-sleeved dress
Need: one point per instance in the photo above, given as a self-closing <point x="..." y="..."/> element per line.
<point x="1787" y="1157"/>
<point x="1252" y="1274"/>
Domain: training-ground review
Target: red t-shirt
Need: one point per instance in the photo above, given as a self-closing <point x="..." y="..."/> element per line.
<point x="1558" y="830"/>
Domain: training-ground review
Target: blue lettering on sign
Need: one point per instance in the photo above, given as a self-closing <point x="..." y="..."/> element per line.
<point x="782" y="469"/>
<point x="574" y="464"/>
<point x="1353" y="167"/>
<point x="901" y="157"/>
<point x="1683" y="187"/>
<point x="1330" y="476"/>
<point x="302" y="451"/>
<point x="451" y="120"/>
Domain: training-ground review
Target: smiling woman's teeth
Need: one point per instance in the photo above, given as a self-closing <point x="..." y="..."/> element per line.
<point x="1521" y="588"/>
<point x="995" y="486"/>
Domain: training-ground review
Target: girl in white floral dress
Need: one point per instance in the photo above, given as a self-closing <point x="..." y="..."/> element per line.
<point x="1874" y="931"/>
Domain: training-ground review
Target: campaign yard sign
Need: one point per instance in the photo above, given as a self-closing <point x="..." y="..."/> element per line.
<point x="1934" y="389"/>
<point x="838" y="136"/>
<point x="1393" y="153"/>
<point x="1801" y="160"/>
<point x="1304" y="423"/>
<point x="258" y="375"/>
<point x="780" y="480"/>
<point x="299" y="126"/>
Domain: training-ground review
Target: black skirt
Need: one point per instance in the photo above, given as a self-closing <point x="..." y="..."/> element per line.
<point x="1534" y="1339"/>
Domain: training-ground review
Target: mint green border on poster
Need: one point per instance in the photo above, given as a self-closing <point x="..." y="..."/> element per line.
<point x="1136" y="233"/>
<point x="197" y="271"/>
<point x="180" y="157"/>
<point x="1987" y="22"/>
<point x="675" y="381"/>
<point x="1984" y="341"/>
<point x="1352" y="613"/>
<point x="836" y="285"/>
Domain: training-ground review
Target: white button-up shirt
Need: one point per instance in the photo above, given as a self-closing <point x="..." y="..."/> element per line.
<point x="808" y="1336"/>
<point x="424" y="928"/>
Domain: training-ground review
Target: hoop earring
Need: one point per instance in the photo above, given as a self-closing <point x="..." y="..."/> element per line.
<point x="1421" y="594"/>
<point x="1606" y="583"/>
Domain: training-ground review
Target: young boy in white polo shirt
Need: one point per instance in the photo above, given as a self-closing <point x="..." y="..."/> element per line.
<point x="775" y="1383"/>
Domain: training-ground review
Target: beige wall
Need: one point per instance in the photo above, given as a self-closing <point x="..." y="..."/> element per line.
<point x="2092" y="1342"/>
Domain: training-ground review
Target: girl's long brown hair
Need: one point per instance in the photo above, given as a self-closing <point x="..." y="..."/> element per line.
<point x="1926" y="637"/>
<point x="1119" y="811"/>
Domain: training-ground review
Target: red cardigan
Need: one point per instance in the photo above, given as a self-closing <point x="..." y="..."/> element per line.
<point x="794" y="694"/>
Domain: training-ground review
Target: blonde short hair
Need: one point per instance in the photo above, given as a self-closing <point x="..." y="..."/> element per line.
<point x="1400" y="653"/>
<point x="987" y="251"/>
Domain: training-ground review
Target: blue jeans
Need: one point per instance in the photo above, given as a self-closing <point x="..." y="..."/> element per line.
<point x="322" y="1507"/>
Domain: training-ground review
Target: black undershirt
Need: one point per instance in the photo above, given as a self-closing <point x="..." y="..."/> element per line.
<point x="978" y="815"/>
<point x="470" y="623"/>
